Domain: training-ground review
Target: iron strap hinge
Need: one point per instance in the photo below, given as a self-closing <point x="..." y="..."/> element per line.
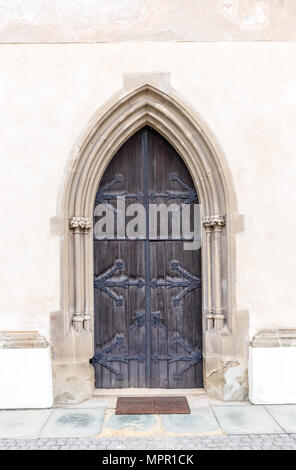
<point x="193" y="357"/>
<point x="103" y="357"/>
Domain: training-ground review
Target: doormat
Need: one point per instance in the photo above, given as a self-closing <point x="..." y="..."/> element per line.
<point x="152" y="406"/>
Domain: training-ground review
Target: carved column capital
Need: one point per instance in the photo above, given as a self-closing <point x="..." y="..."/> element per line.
<point x="80" y="224"/>
<point x="213" y="222"/>
<point x="207" y="223"/>
<point x="219" y="221"/>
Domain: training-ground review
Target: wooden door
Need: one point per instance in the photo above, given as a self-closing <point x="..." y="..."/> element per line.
<point x="148" y="325"/>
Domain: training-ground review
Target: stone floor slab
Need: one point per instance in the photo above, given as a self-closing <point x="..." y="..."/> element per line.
<point x="142" y="423"/>
<point x="200" y="421"/>
<point x="74" y="423"/>
<point x="246" y="420"/>
<point x="201" y="401"/>
<point x="22" y="423"/>
<point x="94" y="402"/>
<point x="285" y="415"/>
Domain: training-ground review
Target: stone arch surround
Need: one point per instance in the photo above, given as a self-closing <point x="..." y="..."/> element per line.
<point x="225" y="328"/>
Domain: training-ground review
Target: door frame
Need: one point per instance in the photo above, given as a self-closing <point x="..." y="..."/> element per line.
<point x="224" y="328"/>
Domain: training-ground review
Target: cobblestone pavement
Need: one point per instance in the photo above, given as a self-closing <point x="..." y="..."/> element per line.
<point x="233" y="442"/>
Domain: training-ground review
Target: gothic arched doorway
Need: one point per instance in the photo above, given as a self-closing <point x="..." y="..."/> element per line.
<point x="225" y="338"/>
<point x="147" y="299"/>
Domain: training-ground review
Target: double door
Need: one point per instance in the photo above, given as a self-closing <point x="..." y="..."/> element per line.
<point x="147" y="287"/>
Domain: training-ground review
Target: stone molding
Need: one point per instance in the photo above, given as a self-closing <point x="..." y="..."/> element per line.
<point x="22" y="340"/>
<point x="275" y="338"/>
<point x="146" y="106"/>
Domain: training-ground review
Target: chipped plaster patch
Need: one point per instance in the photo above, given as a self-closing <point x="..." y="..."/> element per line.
<point x="227" y="5"/>
<point x="75" y="12"/>
<point x="235" y="375"/>
<point x="251" y="15"/>
<point x="120" y="12"/>
<point x="230" y="9"/>
<point x="257" y="17"/>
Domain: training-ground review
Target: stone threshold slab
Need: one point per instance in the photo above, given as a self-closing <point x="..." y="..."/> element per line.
<point x="146" y="392"/>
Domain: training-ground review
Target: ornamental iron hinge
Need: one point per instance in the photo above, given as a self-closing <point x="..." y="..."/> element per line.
<point x="103" y="282"/>
<point x="193" y="357"/>
<point x="102" y="195"/>
<point x="189" y="195"/>
<point x="103" y="357"/>
<point x="189" y="282"/>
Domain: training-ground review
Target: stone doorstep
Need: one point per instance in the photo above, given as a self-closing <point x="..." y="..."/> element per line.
<point x="146" y="392"/>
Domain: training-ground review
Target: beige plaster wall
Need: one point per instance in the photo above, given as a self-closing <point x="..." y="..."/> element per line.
<point x="246" y="92"/>
<point x="157" y="20"/>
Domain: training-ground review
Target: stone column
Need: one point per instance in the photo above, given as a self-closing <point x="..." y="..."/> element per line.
<point x="219" y="222"/>
<point x="80" y="226"/>
<point x="87" y="281"/>
<point x="210" y="315"/>
<point x="213" y="225"/>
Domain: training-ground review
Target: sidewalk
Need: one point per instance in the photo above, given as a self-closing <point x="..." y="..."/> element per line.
<point x="94" y="425"/>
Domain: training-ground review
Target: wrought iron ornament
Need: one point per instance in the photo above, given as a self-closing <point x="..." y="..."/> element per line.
<point x="189" y="195"/>
<point x="103" y="282"/>
<point x="189" y="282"/>
<point x="103" y="357"/>
<point x="103" y="196"/>
<point x="193" y="357"/>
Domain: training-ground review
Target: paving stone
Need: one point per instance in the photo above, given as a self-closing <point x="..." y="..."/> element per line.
<point x="201" y="420"/>
<point x="131" y="422"/>
<point x="285" y="415"/>
<point x="246" y="420"/>
<point x="22" y="423"/>
<point x="74" y="423"/>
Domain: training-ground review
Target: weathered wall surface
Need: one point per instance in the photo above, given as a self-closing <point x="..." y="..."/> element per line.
<point x="246" y="94"/>
<point x="148" y="20"/>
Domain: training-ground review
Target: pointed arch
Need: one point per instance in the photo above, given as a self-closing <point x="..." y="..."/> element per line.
<point x="147" y="106"/>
